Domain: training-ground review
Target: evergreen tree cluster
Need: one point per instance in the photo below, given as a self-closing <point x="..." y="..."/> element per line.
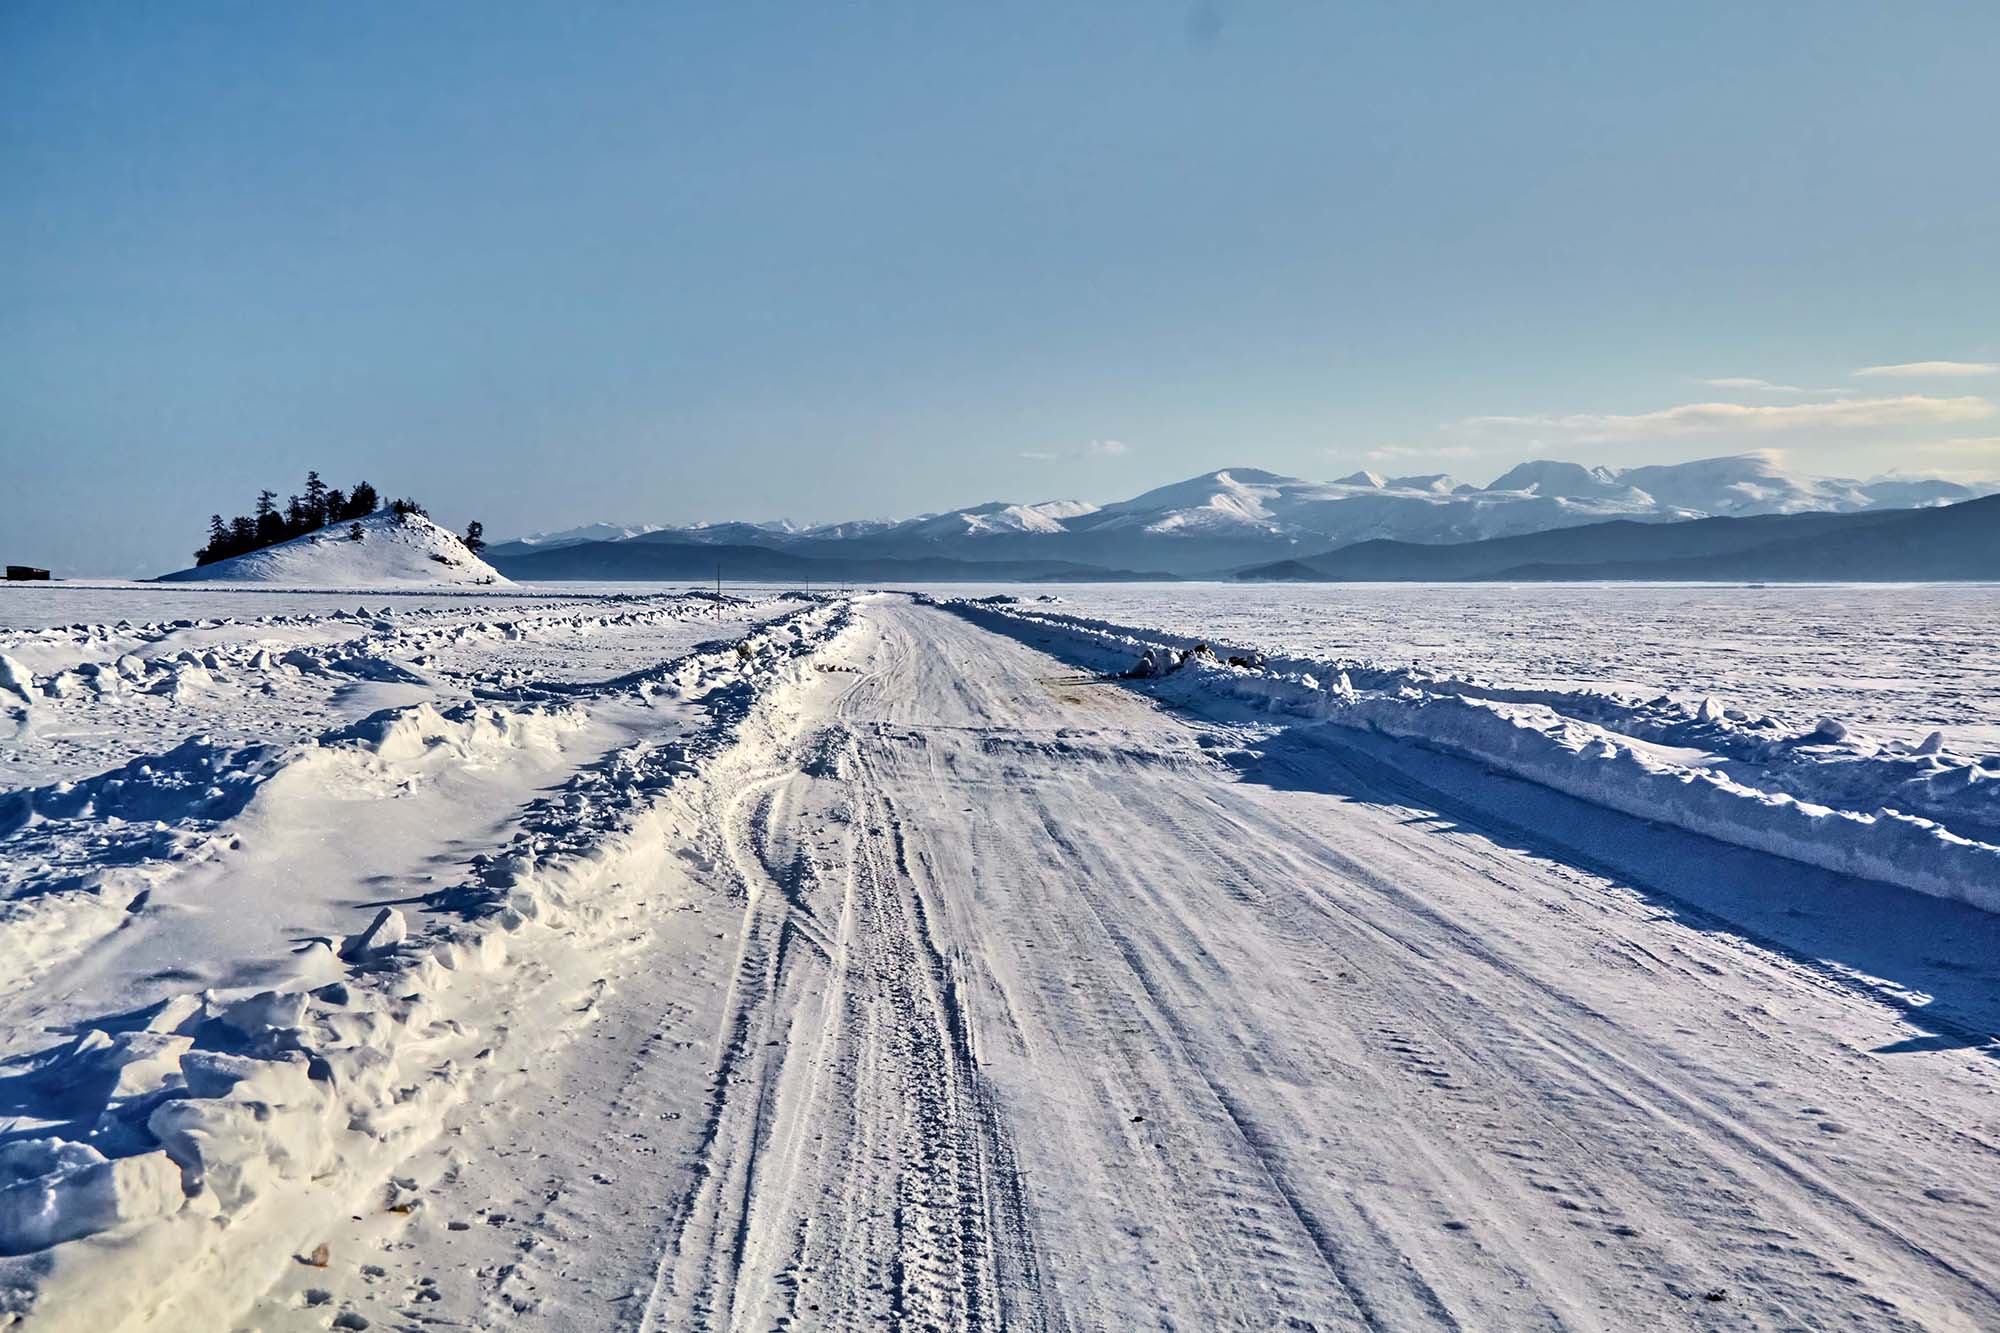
<point x="318" y="506"/>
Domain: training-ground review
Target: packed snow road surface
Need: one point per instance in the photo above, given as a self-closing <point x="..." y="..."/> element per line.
<point x="998" y="995"/>
<point x="882" y="964"/>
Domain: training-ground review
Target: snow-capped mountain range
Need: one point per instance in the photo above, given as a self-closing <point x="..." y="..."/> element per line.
<point x="1236" y="516"/>
<point x="589" y="532"/>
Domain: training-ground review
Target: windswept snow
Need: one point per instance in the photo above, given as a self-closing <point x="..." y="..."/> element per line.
<point x="1920" y="818"/>
<point x="671" y="961"/>
<point x="240" y="983"/>
<point x="1894" y="662"/>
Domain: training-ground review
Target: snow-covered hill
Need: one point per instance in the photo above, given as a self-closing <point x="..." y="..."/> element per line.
<point x="1239" y="515"/>
<point x="392" y="551"/>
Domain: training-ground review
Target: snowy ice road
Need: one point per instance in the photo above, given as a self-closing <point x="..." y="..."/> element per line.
<point x="1009" y="998"/>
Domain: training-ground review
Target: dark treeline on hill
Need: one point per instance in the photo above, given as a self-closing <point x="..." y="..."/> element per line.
<point x="318" y="506"/>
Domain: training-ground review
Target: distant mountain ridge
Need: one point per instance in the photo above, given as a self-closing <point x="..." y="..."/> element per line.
<point x="1951" y="542"/>
<point x="690" y="562"/>
<point x="589" y="532"/>
<point x="1235" y="517"/>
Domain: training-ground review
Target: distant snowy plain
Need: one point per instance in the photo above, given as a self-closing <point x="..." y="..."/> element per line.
<point x="1901" y="660"/>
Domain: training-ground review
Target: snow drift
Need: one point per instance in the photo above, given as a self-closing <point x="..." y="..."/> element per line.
<point x="392" y="550"/>
<point x="233" y="1120"/>
<point x="1915" y="816"/>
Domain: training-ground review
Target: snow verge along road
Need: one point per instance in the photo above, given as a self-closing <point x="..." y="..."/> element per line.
<point x="1041" y="1005"/>
<point x="158" y="1151"/>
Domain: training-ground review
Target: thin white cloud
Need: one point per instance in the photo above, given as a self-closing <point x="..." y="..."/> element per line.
<point x="1094" y="449"/>
<point x="1930" y="369"/>
<point x="1395" y="452"/>
<point x="1909" y="410"/>
<point x="1753" y="385"/>
<point x="1745" y="382"/>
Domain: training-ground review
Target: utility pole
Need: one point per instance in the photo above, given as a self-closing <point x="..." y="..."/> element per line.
<point x="718" y="578"/>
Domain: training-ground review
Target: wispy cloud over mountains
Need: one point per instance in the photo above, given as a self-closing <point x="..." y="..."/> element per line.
<point x="1930" y="370"/>
<point x="1753" y="385"/>
<point x="1722" y="418"/>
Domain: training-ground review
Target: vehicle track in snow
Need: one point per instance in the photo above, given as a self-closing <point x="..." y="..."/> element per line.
<point x="1043" y="1006"/>
<point x="853" y="1169"/>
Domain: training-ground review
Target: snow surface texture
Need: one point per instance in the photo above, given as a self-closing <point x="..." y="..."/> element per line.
<point x="672" y="961"/>
<point x="1820" y="796"/>
<point x="1897" y="662"/>
<point x="291" y="1066"/>
<point x="1001" y="996"/>
<point x="393" y="550"/>
<point x="243" y="666"/>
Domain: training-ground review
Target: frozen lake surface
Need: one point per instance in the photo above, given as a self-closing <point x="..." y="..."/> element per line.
<point x="107" y="601"/>
<point x="1901" y="659"/>
<point x="591" y="955"/>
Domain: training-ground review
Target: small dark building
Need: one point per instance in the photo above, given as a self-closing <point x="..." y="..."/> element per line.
<point x="22" y="573"/>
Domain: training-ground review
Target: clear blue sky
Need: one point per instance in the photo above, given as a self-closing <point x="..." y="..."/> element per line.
<point x="547" y="263"/>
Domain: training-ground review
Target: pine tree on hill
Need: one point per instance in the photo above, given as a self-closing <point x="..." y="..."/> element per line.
<point x="475" y="536"/>
<point x="271" y="526"/>
<point x="218" y="541"/>
<point x="318" y="507"/>
<point x="315" y="501"/>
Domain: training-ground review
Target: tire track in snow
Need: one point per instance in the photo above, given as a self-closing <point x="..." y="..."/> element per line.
<point x="771" y="1234"/>
<point x="1576" y="1109"/>
<point x="1478" y="1030"/>
<point x="1587" y="1045"/>
<point x="1041" y="1017"/>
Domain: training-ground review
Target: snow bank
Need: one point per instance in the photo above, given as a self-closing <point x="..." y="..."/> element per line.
<point x="52" y="1191"/>
<point x="393" y="550"/>
<point x="236" y="1121"/>
<point x="86" y="852"/>
<point x="15" y="678"/>
<point x="1710" y="769"/>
